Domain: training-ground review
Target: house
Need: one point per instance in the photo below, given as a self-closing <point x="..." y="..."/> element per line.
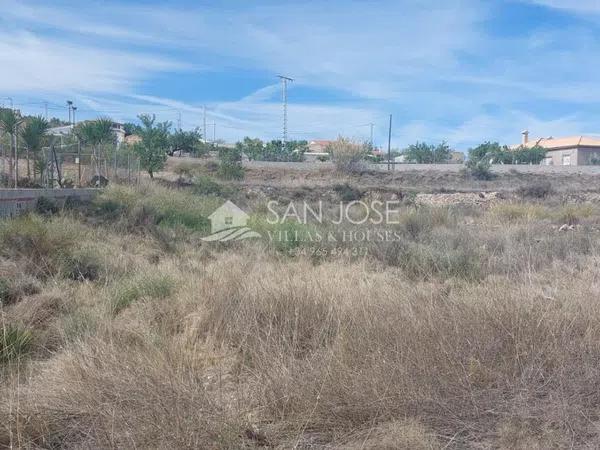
<point x="565" y="151"/>
<point x="66" y="130"/>
<point x="227" y="216"/>
<point x="319" y="146"/>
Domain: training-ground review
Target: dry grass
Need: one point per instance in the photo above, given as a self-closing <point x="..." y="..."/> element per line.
<point x="484" y="335"/>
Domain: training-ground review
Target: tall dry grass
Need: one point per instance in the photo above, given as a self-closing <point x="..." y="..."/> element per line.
<point x="484" y="335"/>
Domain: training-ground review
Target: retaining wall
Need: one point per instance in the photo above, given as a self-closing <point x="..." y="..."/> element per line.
<point x="18" y="201"/>
<point x="403" y="167"/>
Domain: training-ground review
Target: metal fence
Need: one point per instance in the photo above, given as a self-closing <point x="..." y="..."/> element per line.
<point x="67" y="165"/>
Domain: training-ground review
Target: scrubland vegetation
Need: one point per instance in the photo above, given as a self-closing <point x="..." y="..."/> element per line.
<point x="121" y="328"/>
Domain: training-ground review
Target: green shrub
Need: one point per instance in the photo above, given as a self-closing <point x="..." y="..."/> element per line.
<point x="480" y="170"/>
<point x="130" y="290"/>
<point x="204" y="185"/>
<point x="45" y="206"/>
<point x="148" y="206"/>
<point x="347" y="193"/>
<point x="231" y="171"/>
<point x="230" y="165"/>
<point x="15" y="342"/>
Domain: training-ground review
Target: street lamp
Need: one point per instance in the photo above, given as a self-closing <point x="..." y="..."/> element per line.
<point x="70" y="106"/>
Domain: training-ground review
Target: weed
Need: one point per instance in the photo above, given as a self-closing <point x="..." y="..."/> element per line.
<point x="538" y="190"/>
<point x="347" y="193"/>
<point x="15" y="342"/>
<point x="129" y="291"/>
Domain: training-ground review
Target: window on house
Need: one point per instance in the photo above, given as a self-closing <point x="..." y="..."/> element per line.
<point x="228" y="220"/>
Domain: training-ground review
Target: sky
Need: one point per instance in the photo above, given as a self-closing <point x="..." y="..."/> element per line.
<point x="460" y="71"/>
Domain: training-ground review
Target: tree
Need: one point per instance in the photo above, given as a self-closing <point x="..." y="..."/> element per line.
<point x="487" y="150"/>
<point x="275" y="150"/>
<point x="9" y="122"/>
<point x="495" y="153"/>
<point x="96" y="133"/>
<point x="131" y="128"/>
<point x="188" y="141"/>
<point x="152" y="150"/>
<point x="423" y="153"/>
<point x="33" y="136"/>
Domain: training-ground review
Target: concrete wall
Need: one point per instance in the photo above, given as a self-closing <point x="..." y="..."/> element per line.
<point x="17" y="201"/>
<point x="497" y="168"/>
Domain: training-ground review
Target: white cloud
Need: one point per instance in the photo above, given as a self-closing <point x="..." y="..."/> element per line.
<point x="432" y="62"/>
<point x="39" y="64"/>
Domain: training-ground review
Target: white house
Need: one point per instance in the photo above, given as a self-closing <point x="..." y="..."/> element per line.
<point x="66" y="130"/>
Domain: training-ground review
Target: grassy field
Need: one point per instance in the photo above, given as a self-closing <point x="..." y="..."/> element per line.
<point x="478" y="328"/>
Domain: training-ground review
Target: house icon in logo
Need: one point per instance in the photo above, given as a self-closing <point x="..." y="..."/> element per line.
<point x="228" y="223"/>
<point x="227" y="216"/>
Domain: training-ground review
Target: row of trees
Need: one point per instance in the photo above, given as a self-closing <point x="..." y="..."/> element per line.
<point x="494" y="153"/>
<point x="275" y="150"/>
<point x="29" y="138"/>
<point x="32" y="133"/>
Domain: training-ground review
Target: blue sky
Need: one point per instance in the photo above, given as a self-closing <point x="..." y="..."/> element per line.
<point x="463" y="71"/>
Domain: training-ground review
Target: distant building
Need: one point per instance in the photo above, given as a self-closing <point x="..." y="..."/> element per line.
<point x="565" y="151"/>
<point x="66" y="130"/>
<point x="319" y="146"/>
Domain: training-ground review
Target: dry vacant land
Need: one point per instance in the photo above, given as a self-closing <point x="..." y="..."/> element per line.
<point x="478" y="327"/>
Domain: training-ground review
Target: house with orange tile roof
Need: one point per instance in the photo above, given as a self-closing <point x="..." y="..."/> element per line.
<point x="565" y="151"/>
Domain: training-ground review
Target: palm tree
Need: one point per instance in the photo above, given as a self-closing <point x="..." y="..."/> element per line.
<point x="9" y="122"/>
<point x="33" y="136"/>
<point x="96" y="133"/>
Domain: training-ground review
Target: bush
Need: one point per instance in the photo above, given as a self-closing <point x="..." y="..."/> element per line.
<point x="231" y="171"/>
<point x="185" y="172"/>
<point x="15" y="342"/>
<point x="347" y="193"/>
<point x="480" y="170"/>
<point x="230" y="166"/>
<point x="148" y="206"/>
<point x="204" y="185"/>
<point x="538" y="190"/>
<point x="45" y="206"/>
<point x="347" y="155"/>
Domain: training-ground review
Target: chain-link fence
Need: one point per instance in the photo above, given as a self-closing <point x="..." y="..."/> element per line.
<point x="67" y="165"/>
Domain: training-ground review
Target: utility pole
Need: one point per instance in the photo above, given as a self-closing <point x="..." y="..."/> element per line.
<point x="179" y="120"/>
<point x="284" y="82"/>
<point x="372" y="125"/>
<point x="74" y="108"/>
<point x="46" y="110"/>
<point x="390" y="144"/>
<point x="204" y="127"/>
